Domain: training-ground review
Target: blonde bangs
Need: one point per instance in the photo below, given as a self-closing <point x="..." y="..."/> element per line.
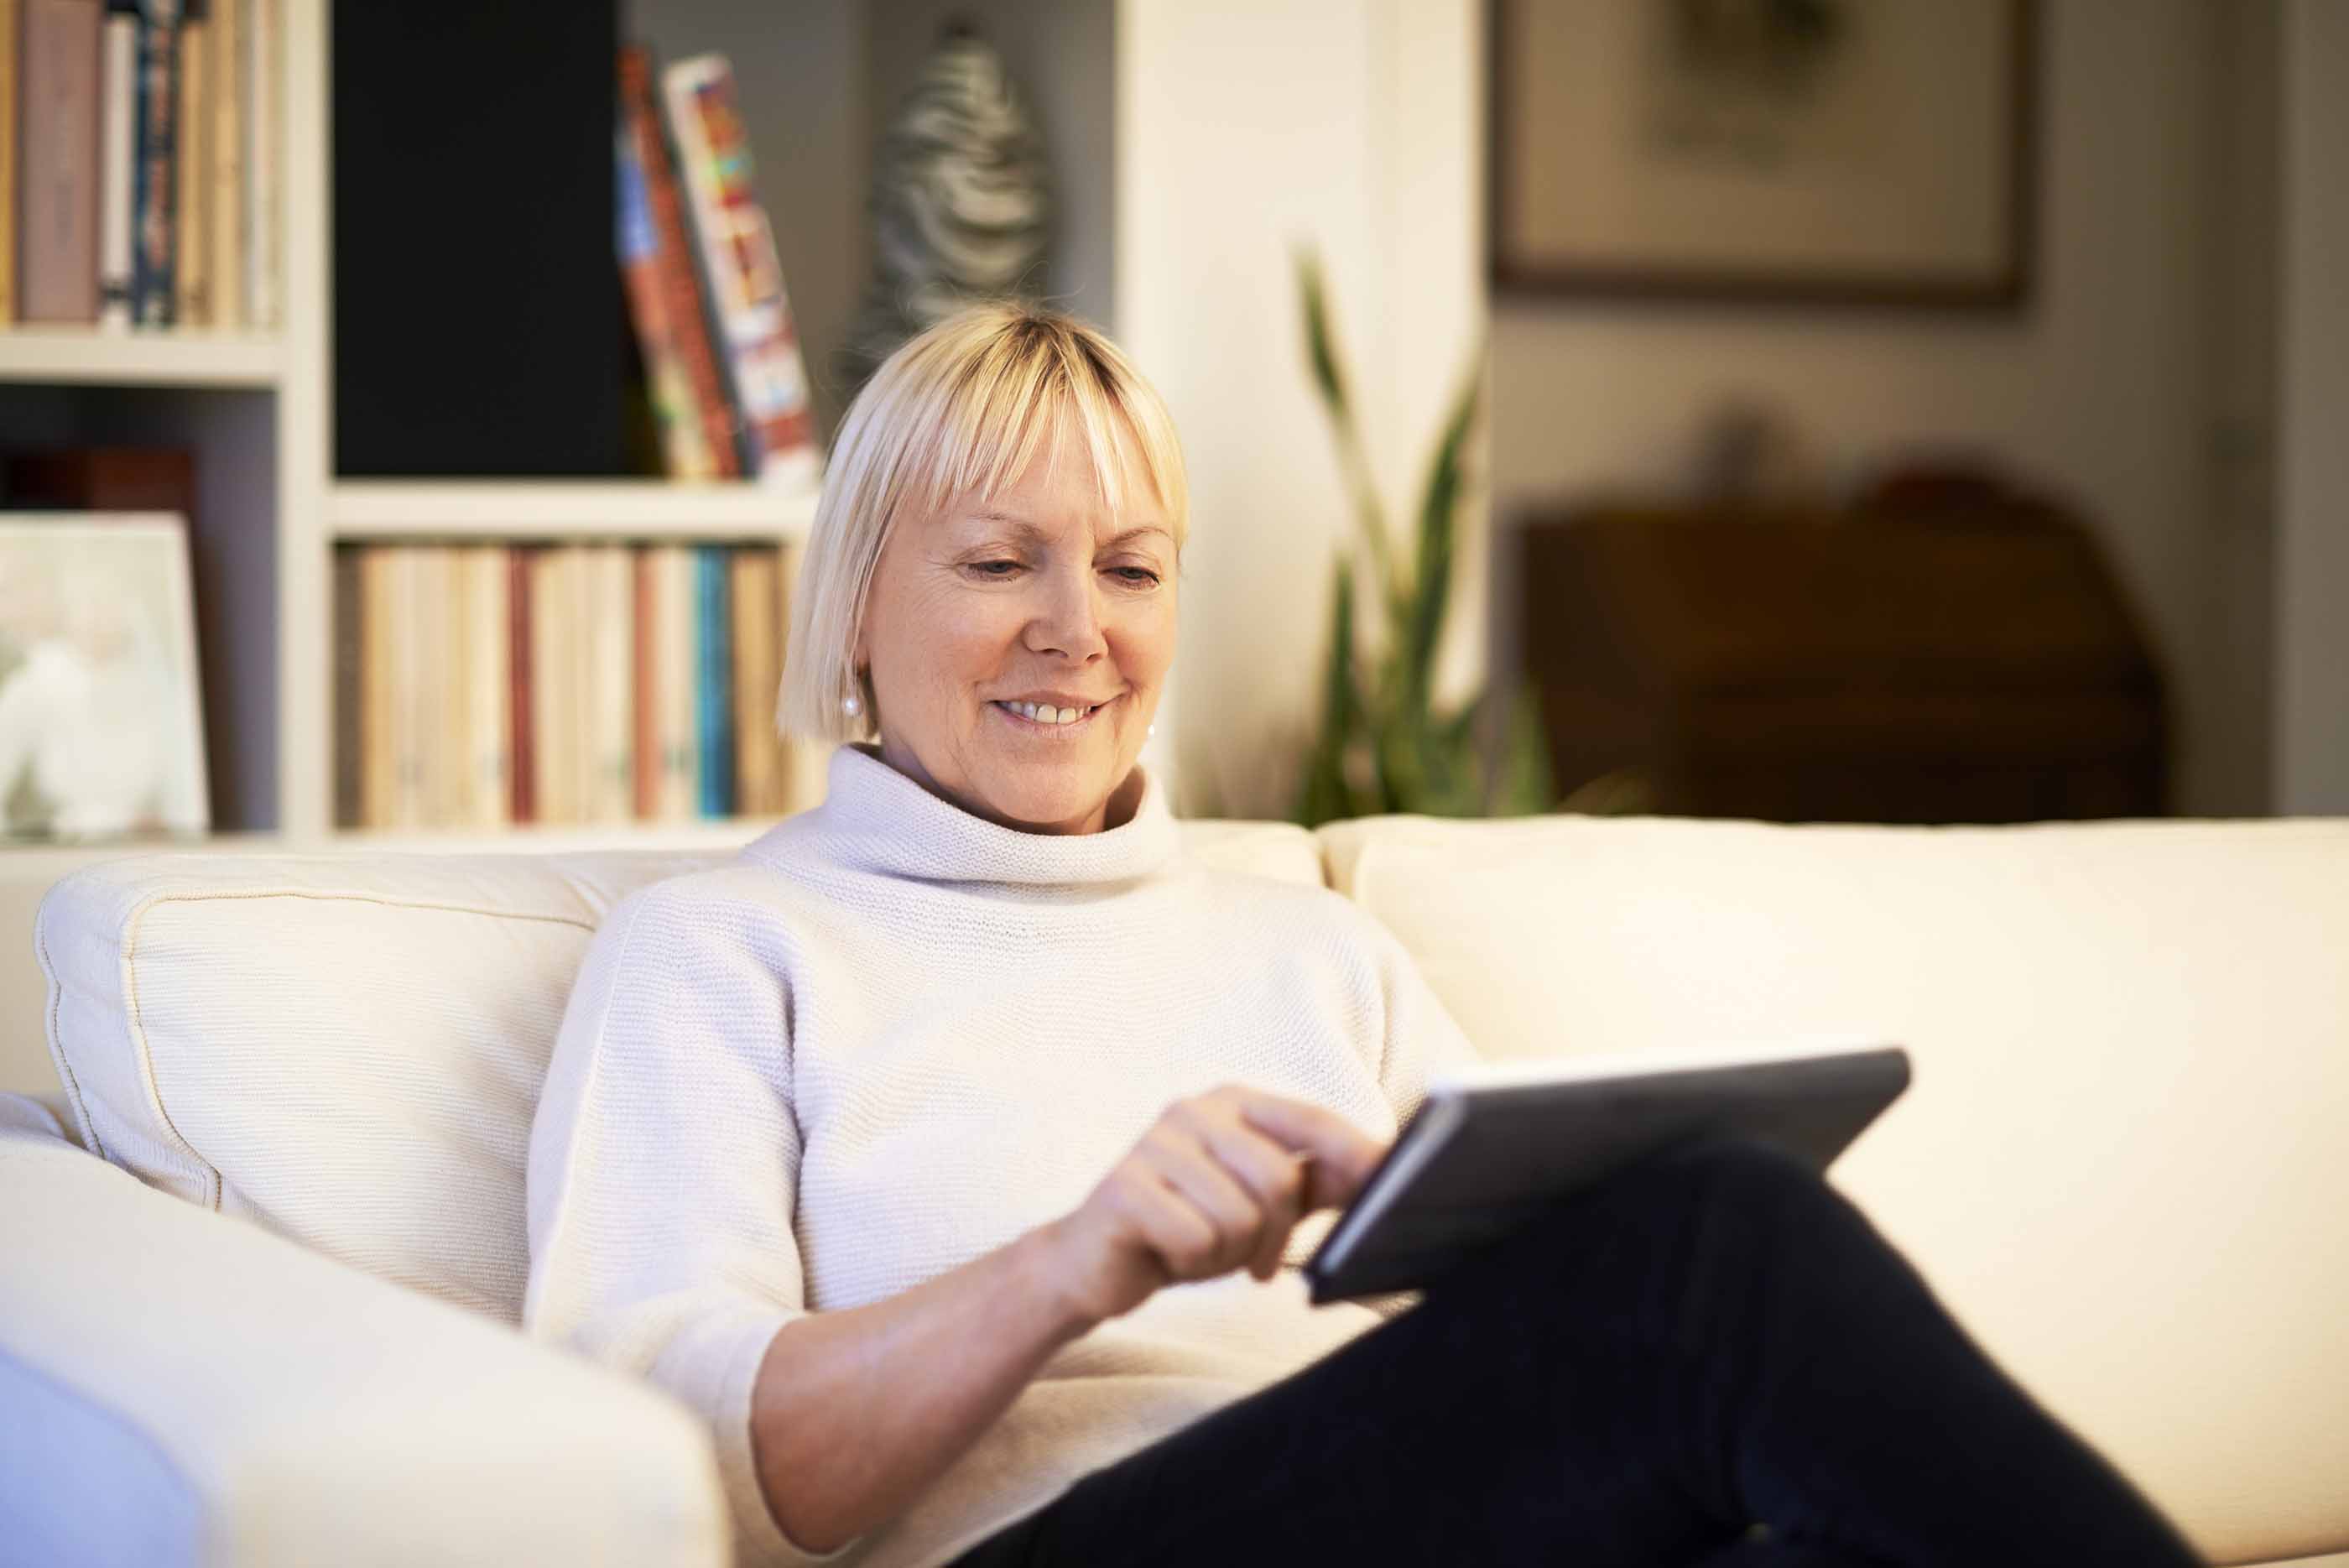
<point x="959" y="413"/>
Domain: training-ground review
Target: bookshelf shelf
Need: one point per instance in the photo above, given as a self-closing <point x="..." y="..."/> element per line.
<point x="383" y="510"/>
<point x="85" y="357"/>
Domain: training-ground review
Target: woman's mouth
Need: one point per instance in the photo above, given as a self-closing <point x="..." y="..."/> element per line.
<point x="1042" y="719"/>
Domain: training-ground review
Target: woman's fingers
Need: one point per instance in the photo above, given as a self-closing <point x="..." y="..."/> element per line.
<point x="1343" y="1154"/>
<point x="1184" y="1164"/>
<point x="1276" y="1178"/>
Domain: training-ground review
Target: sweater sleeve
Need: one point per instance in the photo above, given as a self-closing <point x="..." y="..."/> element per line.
<point x="664" y="1164"/>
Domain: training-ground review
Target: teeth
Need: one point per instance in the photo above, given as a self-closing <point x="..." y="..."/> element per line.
<point x="1045" y="713"/>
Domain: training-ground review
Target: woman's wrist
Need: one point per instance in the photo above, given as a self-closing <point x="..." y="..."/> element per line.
<point x="1044" y="1265"/>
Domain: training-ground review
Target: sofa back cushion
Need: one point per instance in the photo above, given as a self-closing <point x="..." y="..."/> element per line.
<point x="348" y="1049"/>
<point x="2120" y="1159"/>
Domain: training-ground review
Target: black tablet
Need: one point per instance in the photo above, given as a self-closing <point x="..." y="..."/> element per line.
<point x="1487" y="1149"/>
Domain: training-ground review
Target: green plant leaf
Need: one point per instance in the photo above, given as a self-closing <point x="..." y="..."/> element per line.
<point x="1324" y="793"/>
<point x="1321" y="351"/>
<point x="1329" y="381"/>
<point x="1439" y="511"/>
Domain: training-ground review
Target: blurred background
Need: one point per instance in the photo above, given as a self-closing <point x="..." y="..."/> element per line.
<point x="1905" y="410"/>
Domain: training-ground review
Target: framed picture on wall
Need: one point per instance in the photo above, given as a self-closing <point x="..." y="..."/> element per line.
<point x="101" y="730"/>
<point x="1828" y="152"/>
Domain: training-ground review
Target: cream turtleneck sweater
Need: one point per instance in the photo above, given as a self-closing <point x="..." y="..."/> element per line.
<point x="893" y="1037"/>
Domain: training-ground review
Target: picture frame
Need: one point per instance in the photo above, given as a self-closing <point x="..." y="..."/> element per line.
<point x="1830" y="152"/>
<point x="102" y="711"/>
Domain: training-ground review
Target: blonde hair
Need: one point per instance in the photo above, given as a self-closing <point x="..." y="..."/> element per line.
<point x="956" y="414"/>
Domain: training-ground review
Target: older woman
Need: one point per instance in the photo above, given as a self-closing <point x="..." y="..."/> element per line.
<point x="947" y="1152"/>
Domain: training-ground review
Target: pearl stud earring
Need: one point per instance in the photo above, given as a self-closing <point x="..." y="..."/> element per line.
<point x="851" y="706"/>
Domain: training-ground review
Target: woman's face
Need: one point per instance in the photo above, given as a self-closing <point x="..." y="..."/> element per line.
<point x="1037" y="597"/>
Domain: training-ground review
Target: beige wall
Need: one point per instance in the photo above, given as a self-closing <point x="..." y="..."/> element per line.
<point x="2103" y="389"/>
<point x="2313" y="472"/>
<point x="1246" y="127"/>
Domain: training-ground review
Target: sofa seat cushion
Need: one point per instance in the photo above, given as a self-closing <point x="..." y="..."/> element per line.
<point x="2120" y="1160"/>
<point x="348" y="1049"/>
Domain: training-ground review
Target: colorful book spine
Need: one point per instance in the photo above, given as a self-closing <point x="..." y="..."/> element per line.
<point x="522" y="748"/>
<point x="7" y="161"/>
<point x="224" y="164"/>
<point x="685" y="452"/>
<point x="745" y="279"/>
<point x="644" y="642"/>
<point x="483" y="570"/>
<point x="61" y="86"/>
<point x="190" y="181"/>
<point x="118" y="157"/>
<point x="257" y="175"/>
<point x="379" y="702"/>
<point x="557" y="580"/>
<point x="154" y="250"/>
<point x="350" y="667"/>
<point x="677" y="655"/>
<point x="684" y="309"/>
<point x="609" y="751"/>
<point x="758" y="751"/>
<point x="714" y="704"/>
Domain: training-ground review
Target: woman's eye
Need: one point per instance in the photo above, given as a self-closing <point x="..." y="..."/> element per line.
<point x="990" y="569"/>
<point x="1138" y="576"/>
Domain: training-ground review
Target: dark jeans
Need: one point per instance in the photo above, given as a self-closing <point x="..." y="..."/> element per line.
<point x="1711" y="1358"/>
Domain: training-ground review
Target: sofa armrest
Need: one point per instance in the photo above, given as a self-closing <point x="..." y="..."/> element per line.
<point x="200" y="1391"/>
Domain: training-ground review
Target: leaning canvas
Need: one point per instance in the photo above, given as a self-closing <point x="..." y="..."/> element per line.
<point x="101" y="732"/>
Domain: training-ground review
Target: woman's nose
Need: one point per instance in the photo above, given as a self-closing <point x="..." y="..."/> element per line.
<point x="1069" y="622"/>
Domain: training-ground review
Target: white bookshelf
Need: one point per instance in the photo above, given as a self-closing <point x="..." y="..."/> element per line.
<point x="82" y="357"/>
<point x="525" y="509"/>
<point x="258" y="409"/>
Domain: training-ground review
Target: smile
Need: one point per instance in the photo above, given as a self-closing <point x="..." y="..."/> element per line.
<point x="1042" y="720"/>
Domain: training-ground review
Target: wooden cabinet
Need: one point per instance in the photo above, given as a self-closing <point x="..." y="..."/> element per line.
<point x="1978" y="665"/>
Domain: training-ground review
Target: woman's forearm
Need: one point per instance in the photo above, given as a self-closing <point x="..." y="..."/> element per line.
<point x="856" y="1411"/>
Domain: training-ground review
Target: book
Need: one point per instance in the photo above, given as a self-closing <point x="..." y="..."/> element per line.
<point x="684" y="311"/>
<point x="380" y="598"/>
<point x="450" y="657"/>
<point x="756" y="672"/>
<point x="1489" y="1149"/>
<point x="224" y="165"/>
<point x="59" y="105"/>
<point x="521" y="725"/>
<point x="259" y="73"/>
<point x="191" y="183"/>
<point x="685" y="454"/>
<point x="154" y="247"/>
<point x="557" y="582"/>
<point x="676" y="681"/>
<point x="482" y="592"/>
<point x="608" y="718"/>
<point x="643" y="658"/>
<point x="7" y="161"/>
<point x="714" y="700"/>
<point x="350" y="692"/>
<point x="118" y="166"/>
<point x="758" y="341"/>
<point x="413" y="700"/>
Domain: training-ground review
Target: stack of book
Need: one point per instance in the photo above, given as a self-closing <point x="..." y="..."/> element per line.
<point x="138" y="149"/>
<point x="705" y="287"/>
<point x="479" y="686"/>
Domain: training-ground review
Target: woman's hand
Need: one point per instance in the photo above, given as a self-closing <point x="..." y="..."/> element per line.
<point x="1219" y="1180"/>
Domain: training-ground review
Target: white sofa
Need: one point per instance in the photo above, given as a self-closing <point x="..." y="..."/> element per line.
<point x="275" y="1322"/>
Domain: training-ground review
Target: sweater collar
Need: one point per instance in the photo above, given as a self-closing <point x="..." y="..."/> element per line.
<point x="875" y="818"/>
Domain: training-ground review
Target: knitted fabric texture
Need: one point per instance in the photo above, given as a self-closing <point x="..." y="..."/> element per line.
<point x="893" y="1036"/>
